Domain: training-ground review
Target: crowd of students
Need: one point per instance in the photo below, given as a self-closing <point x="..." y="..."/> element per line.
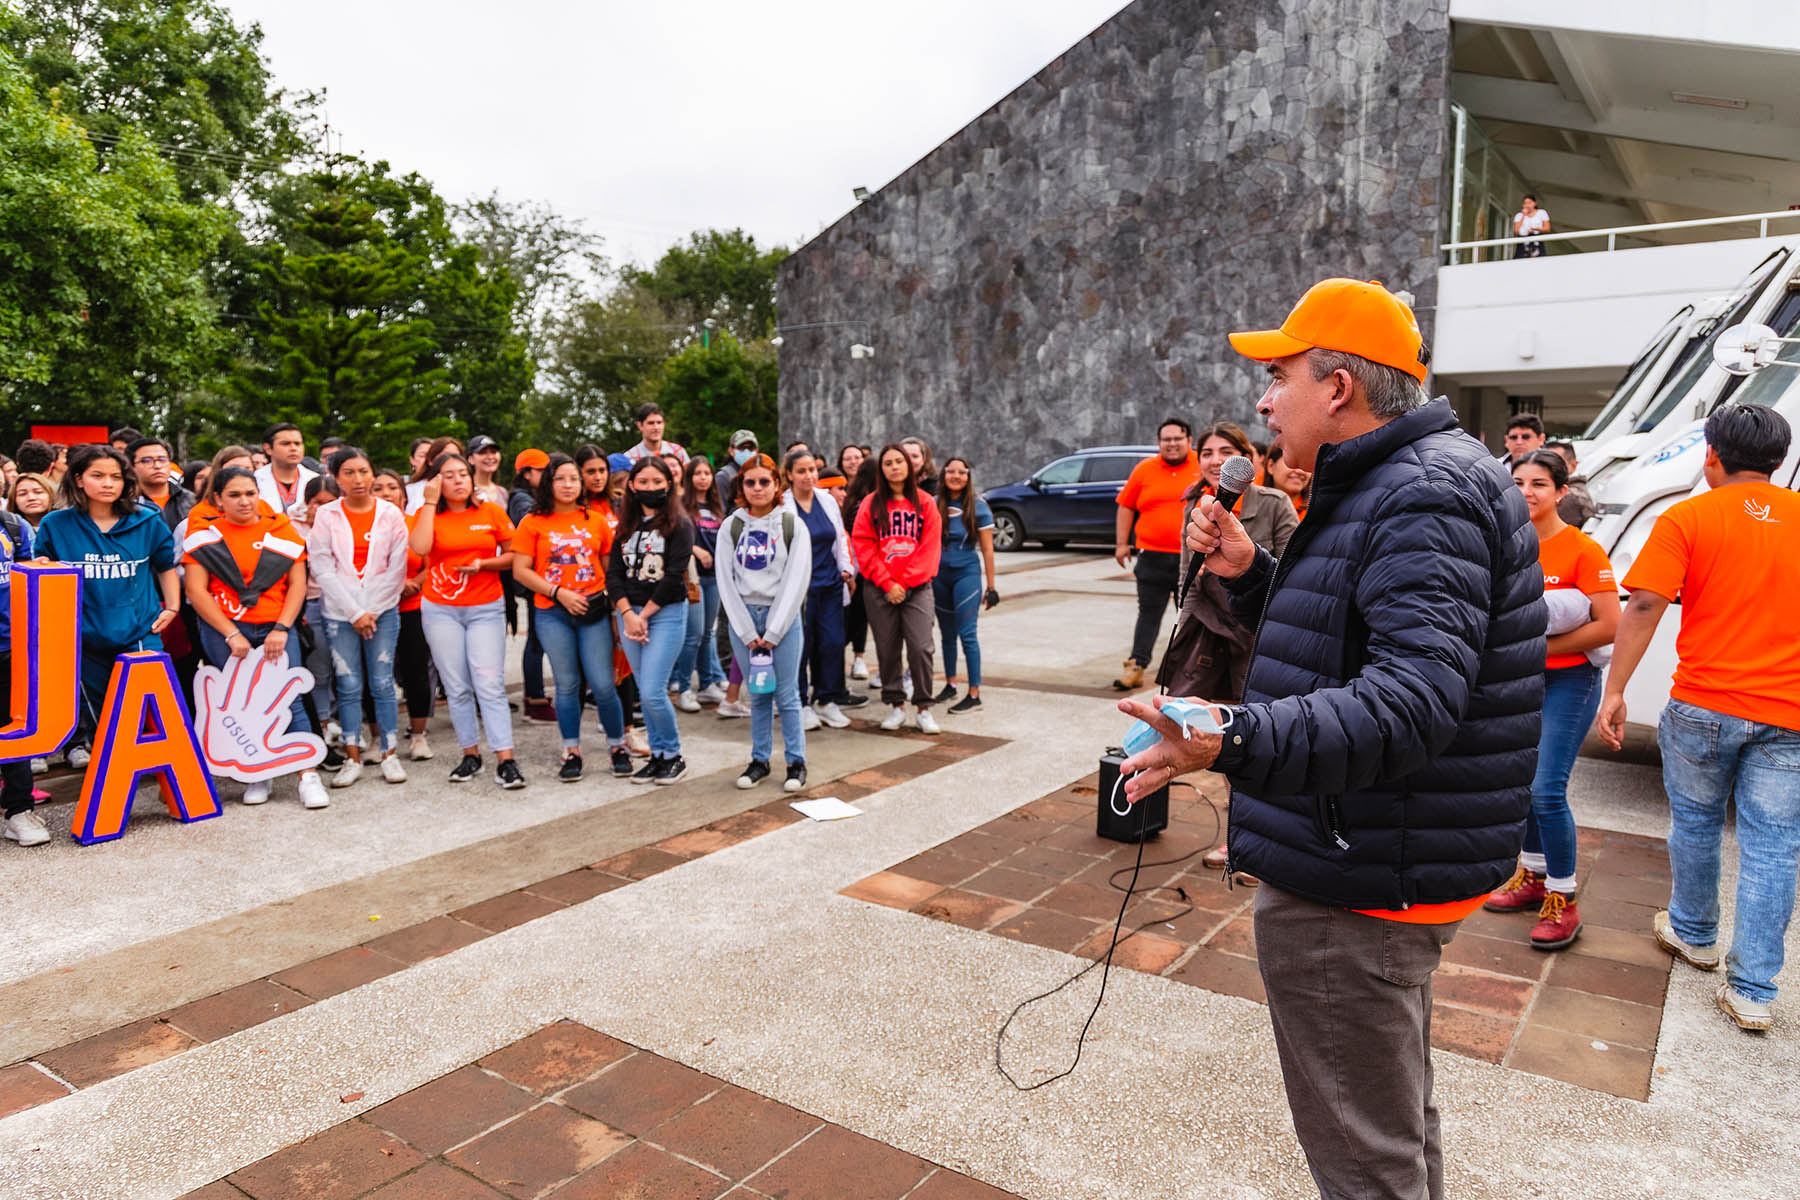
<point x="649" y="581"/>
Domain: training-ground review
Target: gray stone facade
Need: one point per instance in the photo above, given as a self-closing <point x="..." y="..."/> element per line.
<point x="1062" y="272"/>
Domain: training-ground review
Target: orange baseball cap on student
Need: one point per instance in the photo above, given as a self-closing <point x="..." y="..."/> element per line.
<point x="529" y="460"/>
<point x="1348" y="315"/>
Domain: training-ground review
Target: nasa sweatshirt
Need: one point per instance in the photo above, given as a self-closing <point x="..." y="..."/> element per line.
<point x="763" y="561"/>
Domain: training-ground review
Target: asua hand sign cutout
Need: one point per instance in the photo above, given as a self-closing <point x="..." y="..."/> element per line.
<point x="244" y="717"/>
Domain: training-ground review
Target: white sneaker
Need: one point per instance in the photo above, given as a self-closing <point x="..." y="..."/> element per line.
<point x="40" y="766"/>
<point x="256" y="793"/>
<point x="896" y="717"/>
<point x="347" y="774"/>
<point x="392" y="769"/>
<point x="874" y="681"/>
<point x="312" y="792"/>
<point x="927" y="722"/>
<point x="808" y="718"/>
<point x="832" y="715"/>
<point x="419" y="747"/>
<point x="687" y="701"/>
<point x="733" y="708"/>
<point x="712" y="693"/>
<point x="78" y="757"/>
<point x="334" y="733"/>
<point x="858" y="668"/>
<point x="27" y="829"/>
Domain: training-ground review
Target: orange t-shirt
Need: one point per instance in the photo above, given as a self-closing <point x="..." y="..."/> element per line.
<point x="414" y="564"/>
<point x="459" y="538"/>
<point x="1731" y="556"/>
<point x="568" y="550"/>
<point x="1154" y="491"/>
<point x="361" y="525"/>
<point x="1572" y="559"/>
<point x="1428" y="914"/>
<point x="245" y="544"/>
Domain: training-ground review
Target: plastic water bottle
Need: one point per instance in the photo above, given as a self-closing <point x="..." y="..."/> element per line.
<point x="761" y="676"/>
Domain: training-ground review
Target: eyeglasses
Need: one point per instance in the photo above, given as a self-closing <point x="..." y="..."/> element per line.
<point x="750" y="483"/>
<point x="151" y="462"/>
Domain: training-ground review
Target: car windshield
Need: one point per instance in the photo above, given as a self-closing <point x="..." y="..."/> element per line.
<point x="1678" y="386"/>
<point x="1634" y="374"/>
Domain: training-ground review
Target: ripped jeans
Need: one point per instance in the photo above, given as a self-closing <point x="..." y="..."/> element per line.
<point x="468" y="644"/>
<point x="356" y="659"/>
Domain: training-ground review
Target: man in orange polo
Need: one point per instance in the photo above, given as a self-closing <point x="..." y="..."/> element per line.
<point x="1153" y="498"/>
<point x="1382" y="758"/>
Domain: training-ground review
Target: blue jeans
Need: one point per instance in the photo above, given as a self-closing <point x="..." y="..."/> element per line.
<point x="822" y="657"/>
<point x="355" y="658"/>
<point x="468" y="645"/>
<point x="652" y="663"/>
<point x="1571" y="698"/>
<point x="1707" y="758"/>
<point x="786" y="696"/>
<point x="957" y="595"/>
<point x="701" y="648"/>
<point x="581" y="650"/>
<point x="218" y="653"/>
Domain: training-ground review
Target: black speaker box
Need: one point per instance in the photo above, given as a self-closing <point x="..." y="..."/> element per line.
<point x="1143" y="820"/>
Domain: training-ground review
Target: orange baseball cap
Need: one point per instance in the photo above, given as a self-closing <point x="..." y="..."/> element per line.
<point x="1348" y="315"/>
<point x="529" y="460"/>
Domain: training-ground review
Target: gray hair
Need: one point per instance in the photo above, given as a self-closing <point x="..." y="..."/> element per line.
<point x="1391" y="391"/>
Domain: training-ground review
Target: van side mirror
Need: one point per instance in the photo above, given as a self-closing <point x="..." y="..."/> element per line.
<point x="1747" y="349"/>
<point x="1035" y="484"/>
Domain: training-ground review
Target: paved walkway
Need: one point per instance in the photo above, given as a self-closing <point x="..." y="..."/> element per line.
<point x="186" y="1005"/>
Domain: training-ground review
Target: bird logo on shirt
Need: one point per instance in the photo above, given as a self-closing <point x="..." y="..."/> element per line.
<point x="1761" y="512"/>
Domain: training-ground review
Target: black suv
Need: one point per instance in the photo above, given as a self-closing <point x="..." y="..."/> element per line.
<point x="1073" y="498"/>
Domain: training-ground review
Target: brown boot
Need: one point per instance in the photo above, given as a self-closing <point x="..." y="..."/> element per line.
<point x="1132" y="679"/>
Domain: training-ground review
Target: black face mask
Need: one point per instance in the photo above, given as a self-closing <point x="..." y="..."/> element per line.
<point x="653" y="500"/>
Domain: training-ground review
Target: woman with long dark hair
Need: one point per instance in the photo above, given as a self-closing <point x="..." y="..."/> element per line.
<point x="897" y="541"/>
<point x="425" y="467"/>
<point x="413" y="670"/>
<point x="647" y="581"/>
<point x="560" y="552"/>
<point x="925" y="472"/>
<point x="700" y="652"/>
<point x="967" y="557"/>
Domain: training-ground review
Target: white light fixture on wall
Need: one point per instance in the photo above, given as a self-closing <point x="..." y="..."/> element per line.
<point x="858" y="350"/>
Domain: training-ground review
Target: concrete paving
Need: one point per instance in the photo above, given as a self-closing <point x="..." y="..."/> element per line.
<point x="748" y="965"/>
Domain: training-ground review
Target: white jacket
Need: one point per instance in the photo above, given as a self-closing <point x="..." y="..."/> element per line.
<point x="331" y="558"/>
<point x="271" y="494"/>
<point x="763" y="570"/>
<point x="846" y="557"/>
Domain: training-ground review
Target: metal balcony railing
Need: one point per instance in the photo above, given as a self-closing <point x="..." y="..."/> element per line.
<point x="1760" y="220"/>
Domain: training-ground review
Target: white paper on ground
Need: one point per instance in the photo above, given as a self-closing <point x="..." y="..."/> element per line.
<point x="825" y="808"/>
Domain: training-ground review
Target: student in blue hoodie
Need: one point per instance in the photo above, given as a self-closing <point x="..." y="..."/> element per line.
<point x="21" y="824"/>
<point x="130" y="590"/>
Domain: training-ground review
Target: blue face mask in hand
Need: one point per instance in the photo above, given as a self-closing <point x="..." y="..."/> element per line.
<point x="1192" y="715"/>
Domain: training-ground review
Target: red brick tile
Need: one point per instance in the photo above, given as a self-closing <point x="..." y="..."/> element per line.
<point x="1618" y="1070"/>
<point x="1226" y="974"/>
<point x="1500" y="995"/>
<point x="435" y="1181"/>
<point x="835" y="1164"/>
<point x="1009" y="884"/>
<point x="640" y="863"/>
<point x="504" y="912"/>
<point x="1605" y="977"/>
<point x="116" y="1051"/>
<point x="641" y="1092"/>
<point x="982" y="847"/>
<point x="218" y="1189"/>
<point x="877" y="778"/>
<point x="344" y="1161"/>
<point x="1058" y="810"/>
<point x="575" y="886"/>
<point x="1144" y="952"/>
<point x="1602" y="1017"/>
<point x="1472" y="1034"/>
<point x="1019" y="827"/>
<point x="937" y="866"/>
<point x="23" y="1086"/>
<point x="1502" y="956"/>
<point x="948" y="1185"/>
<point x="733" y="1131"/>
<point x="1619" y="914"/>
<point x="891" y="889"/>
<point x="428" y="939"/>
<point x="1597" y="941"/>
<point x="450" y="1110"/>
<point x="1079" y="838"/>
<point x="338" y="972"/>
<point x="1058" y="865"/>
<point x="1505" y="927"/>
<point x="554" y="1058"/>
<point x="1237" y="937"/>
<point x="1041" y="927"/>
<point x="1082" y="900"/>
<point x="238" y="1008"/>
<point x="642" y="1172"/>
<point x="1642" y="862"/>
<point x="535" y="1152"/>
<point x="746" y="825"/>
<point x="965" y="908"/>
<point x="697" y="842"/>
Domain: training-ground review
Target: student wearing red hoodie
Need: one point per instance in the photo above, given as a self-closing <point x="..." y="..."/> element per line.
<point x="896" y="538"/>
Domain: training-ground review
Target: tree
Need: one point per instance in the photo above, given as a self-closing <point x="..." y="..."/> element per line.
<point x="606" y="357"/>
<point x="709" y="391"/>
<point x="549" y="257"/>
<point x="719" y="274"/>
<point x="104" y="312"/>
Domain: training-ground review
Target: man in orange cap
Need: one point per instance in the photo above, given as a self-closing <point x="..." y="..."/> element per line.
<point x="1381" y="761"/>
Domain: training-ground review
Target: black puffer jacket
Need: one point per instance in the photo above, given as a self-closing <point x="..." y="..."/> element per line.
<point x="1384" y="753"/>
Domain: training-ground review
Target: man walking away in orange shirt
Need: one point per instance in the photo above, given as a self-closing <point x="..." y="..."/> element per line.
<point x="1153" y="498"/>
<point x="1732" y="558"/>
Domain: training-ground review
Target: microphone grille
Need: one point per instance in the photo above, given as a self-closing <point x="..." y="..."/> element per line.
<point x="1237" y="474"/>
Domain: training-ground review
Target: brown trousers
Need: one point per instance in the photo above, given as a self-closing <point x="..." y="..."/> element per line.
<point x="905" y="626"/>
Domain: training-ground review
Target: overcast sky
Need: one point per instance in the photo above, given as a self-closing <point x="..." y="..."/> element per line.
<point x="650" y="120"/>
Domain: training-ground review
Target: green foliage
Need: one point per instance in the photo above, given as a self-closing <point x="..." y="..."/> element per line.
<point x="605" y="358"/>
<point x="708" y="392"/>
<point x="104" y="313"/>
<point x="718" y="274"/>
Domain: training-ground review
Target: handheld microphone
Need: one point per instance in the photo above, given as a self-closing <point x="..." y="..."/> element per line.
<point x="1235" y="478"/>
